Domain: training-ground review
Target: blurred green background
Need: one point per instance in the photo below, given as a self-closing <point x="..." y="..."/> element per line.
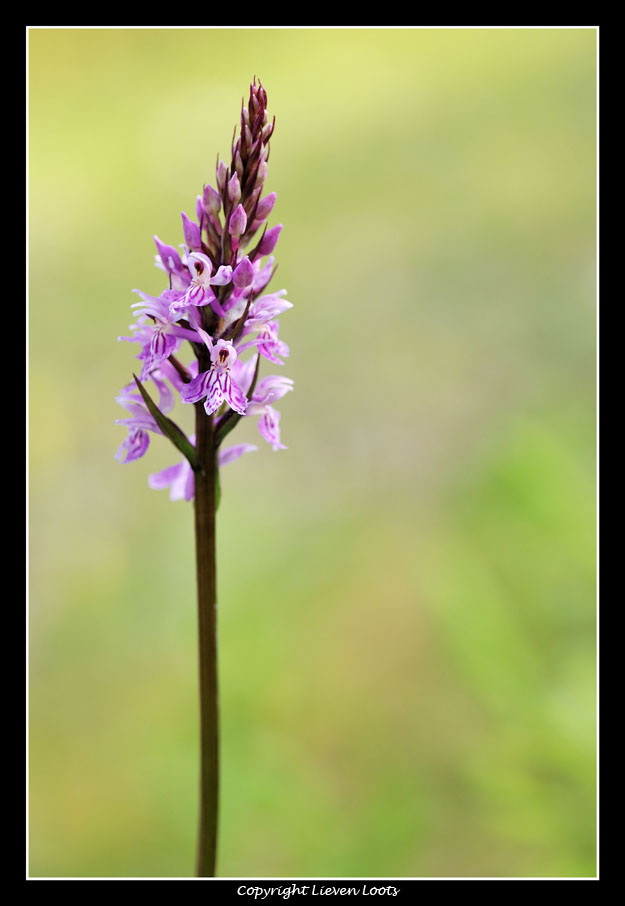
<point x="407" y="594"/>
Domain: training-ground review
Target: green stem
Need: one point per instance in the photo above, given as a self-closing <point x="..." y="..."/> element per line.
<point x="205" y="505"/>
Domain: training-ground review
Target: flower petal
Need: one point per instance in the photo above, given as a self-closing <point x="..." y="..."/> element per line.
<point x="163" y="479"/>
<point x="134" y="446"/>
<point x="233" y="394"/>
<point x="214" y="391"/>
<point x="223" y="276"/>
<point x="196" y="389"/>
<point x="231" y="453"/>
<point x="269" y="427"/>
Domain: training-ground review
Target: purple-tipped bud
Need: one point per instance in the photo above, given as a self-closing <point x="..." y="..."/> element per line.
<point x="262" y="174"/>
<point x="265" y="206"/>
<point x="238" y="222"/>
<point x="243" y="273"/>
<point x="238" y="164"/>
<point x="222" y="174"/>
<point x="192" y="234"/>
<point x="268" y="129"/>
<point x="250" y="202"/>
<point x="247" y="138"/>
<point x="269" y="241"/>
<point x="234" y="190"/>
<point x="212" y="201"/>
<point x="169" y="256"/>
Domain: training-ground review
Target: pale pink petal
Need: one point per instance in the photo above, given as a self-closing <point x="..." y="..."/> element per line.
<point x="231" y="453"/>
<point x="214" y="391"/>
<point x="163" y="479"/>
<point x="233" y="394"/>
<point x="269" y="427"/>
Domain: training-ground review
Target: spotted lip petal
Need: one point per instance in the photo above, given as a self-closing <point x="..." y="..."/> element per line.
<point x="218" y="387"/>
<point x="196" y="295"/>
<point x="196" y="389"/>
<point x="235" y="397"/>
<point x="162" y="345"/>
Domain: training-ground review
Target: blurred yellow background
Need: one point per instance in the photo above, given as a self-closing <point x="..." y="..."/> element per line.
<point x="407" y="594"/>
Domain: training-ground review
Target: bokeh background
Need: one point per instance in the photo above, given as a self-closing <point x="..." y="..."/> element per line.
<point x="407" y="594"/>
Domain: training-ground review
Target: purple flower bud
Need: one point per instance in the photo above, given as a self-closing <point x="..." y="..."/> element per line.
<point x="212" y="201"/>
<point x="256" y="148"/>
<point x="269" y="241"/>
<point x="251" y="200"/>
<point x="265" y="206"/>
<point x="262" y="174"/>
<point x="247" y="138"/>
<point x="234" y="190"/>
<point x="238" y="222"/>
<point x="238" y="164"/>
<point x="222" y="173"/>
<point x="243" y="273"/>
<point x="192" y="235"/>
<point x="268" y="128"/>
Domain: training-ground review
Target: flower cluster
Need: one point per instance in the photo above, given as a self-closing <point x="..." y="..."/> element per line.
<point x="216" y="306"/>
